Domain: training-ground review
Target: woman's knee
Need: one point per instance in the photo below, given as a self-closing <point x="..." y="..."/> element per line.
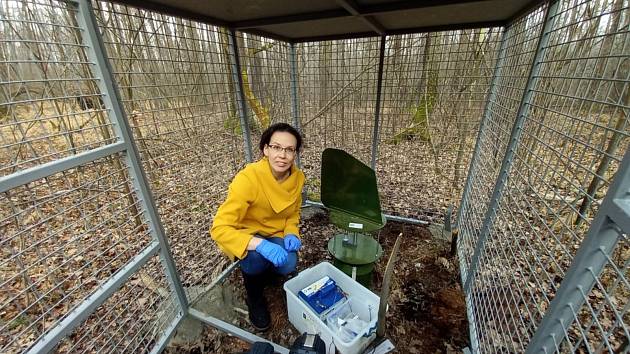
<point x="254" y="263"/>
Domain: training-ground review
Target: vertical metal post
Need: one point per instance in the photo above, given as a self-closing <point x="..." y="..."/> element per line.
<point x="506" y="165"/>
<point x="377" y="112"/>
<point x="240" y="96"/>
<point x="295" y="113"/>
<point x="472" y="168"/>
<point x="97" y="54"/>
<point x="612" y="220"/>
<point x="472" y="322"/>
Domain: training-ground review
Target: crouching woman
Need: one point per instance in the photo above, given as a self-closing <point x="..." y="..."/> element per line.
<point x="258" y="222"/>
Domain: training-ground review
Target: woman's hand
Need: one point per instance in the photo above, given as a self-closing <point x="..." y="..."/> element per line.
<point x="272" y="252"/>
<point x="292" y="243"/>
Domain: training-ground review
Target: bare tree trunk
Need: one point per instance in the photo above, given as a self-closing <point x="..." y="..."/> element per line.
<point x="474" y="71"/>
<point x="324" y="71"/>
<point x="231" y="101"/>
<point x="616" y="93"/>
<point x="613" y="144"/>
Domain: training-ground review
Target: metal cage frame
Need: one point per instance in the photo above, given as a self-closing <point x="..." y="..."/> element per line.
<point x="478" y="229"/>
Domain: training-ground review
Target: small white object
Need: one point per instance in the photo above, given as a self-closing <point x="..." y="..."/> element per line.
<point x="355" y="225"/>
<point x="316" y="286"/>
<point x="383" y="348"/>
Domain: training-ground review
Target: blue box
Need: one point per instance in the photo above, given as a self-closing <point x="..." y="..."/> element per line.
<point x="322" y="294"/>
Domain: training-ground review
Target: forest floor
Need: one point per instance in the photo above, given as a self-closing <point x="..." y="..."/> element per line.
<point x="427" y="312"/>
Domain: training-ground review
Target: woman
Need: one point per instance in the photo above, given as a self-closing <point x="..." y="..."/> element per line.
<point x="258" y="222"/>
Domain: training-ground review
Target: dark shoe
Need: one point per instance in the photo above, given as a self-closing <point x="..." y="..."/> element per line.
<point x="256" y="304"/>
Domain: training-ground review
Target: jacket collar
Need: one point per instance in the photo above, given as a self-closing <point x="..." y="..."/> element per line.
<point x="280" y="194"/>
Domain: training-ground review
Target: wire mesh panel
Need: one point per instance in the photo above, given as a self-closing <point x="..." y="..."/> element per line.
<point x="49" y="104"/>
<point x="266" y="80"/>
<point x="337" y="95"/>
<point x="574" y="135"/>
<point x="602" y="324"/>
<point x="513" y="63"/>
<point x="180" y="102"/>
<point x="434" y="90"/>
<point x="132" y="320"/>
<point x="73" y="224"/>
<point x="62" y="237"/>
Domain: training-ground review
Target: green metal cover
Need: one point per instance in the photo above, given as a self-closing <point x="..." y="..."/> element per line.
<point x="349" y="190"/>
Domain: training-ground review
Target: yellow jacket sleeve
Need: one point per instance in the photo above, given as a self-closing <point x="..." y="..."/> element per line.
<point x="225" y="227"/>
<point x="292" y="222"/>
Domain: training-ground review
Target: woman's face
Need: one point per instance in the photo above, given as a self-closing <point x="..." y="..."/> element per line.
<point x="281" y="152"/>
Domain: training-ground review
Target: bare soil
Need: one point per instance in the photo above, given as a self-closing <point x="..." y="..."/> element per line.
<point x="427" y="312"/>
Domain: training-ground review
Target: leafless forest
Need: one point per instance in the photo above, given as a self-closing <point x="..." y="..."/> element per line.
<point x="64" y="235"/>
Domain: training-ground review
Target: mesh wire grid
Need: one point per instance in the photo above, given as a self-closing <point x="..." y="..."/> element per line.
<point x="50" y="106"/>
<point x="266" y="76"/>
<point x="434" y="89"/>
<point x="337" y="96"/>
<point x="573" y="139"/>
<point x="132" y="320"/>
<point x="511" y="76"/>
<point x="602" y="323"/>
<point x="63" y="237"/>
<point x="181" y="106"/>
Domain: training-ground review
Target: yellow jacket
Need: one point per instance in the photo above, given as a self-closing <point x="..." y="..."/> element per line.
<point x="257" y="204"/>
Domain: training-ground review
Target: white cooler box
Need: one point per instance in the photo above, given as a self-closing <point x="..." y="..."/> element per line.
<point x="362" y="301"/>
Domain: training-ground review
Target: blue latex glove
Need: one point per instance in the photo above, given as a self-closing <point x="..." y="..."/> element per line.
<point x="292" y="243"/>
<point x="272" y="252"/>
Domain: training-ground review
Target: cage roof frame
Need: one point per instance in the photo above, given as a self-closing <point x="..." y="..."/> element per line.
<point x="309" y="21"/>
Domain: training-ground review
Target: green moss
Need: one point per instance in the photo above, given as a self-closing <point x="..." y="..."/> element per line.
<point x="233" y="125"/>
<point x="17" y="322"/>
<point x="420" y="113"/>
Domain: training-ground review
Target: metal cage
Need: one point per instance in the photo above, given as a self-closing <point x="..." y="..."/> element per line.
<point x="121" y="128"/>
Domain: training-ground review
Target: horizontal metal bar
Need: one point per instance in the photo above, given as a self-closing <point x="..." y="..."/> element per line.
<point x="619" y="213"/>
<point x="166" y="337"/>
<point x="20" y="20"/>
<point x="387" y="216"/>
<point x="390" y="32"/>
<point x="404" y="5"/>
<point x="286" y="19"/>
<point x="74" y="79"/>
<point x="405" y="220"/>
<point x="47" y="342"/>
<point x="57" y="135"/>
<point x="54" y="116"/>
<point x="41" y="61"/>
<point x="233" y="330"/>
<point x="50" y="168"/>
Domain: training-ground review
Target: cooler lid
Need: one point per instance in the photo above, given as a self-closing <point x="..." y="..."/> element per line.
<point x="349" y="190"/>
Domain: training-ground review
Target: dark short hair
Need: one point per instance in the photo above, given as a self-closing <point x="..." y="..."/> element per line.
<point x="265" y="138"/>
